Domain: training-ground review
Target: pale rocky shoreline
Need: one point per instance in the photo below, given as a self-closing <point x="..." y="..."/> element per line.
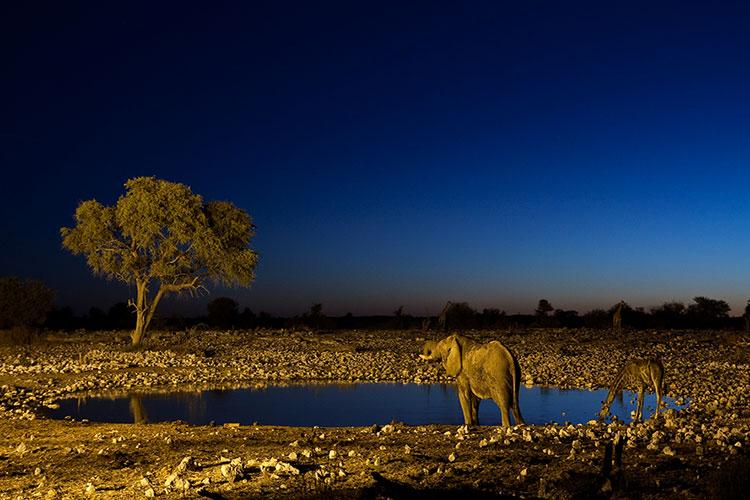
<point x="711" y="369"/>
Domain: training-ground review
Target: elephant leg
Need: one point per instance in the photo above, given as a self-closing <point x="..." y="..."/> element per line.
<point x="475" y="410"/>
<point x="505" y="414"/>
<point x="464" y="397"/>
<point x="517" y="414"/>
<point x="504" y="405"/>
<point x="639" y="410"/>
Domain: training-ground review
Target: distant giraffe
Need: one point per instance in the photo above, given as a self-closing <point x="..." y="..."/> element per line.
<point x="443" y="317"/>
<point x="642" y="373"/>
<point x="617" y="317"/>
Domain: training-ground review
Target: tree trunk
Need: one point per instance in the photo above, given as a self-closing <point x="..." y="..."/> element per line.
<point x="141" y="322"/>
<point x="140" y="327"/>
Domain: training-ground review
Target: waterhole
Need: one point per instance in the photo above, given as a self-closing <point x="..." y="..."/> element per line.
<point x="335" y="405"/>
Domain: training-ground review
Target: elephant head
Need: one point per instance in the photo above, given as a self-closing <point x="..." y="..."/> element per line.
<point x="448" y="351"/>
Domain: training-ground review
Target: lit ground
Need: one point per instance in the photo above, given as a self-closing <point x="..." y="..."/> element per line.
<point x="699" y="452"/>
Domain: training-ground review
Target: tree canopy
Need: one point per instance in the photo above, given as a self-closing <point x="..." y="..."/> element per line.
<point x="161" y="235"/>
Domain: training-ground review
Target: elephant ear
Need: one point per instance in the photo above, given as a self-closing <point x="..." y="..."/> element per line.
<point x="452" y="362"/>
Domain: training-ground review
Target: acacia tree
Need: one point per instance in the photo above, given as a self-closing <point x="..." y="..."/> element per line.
<point x="163" y="239"/>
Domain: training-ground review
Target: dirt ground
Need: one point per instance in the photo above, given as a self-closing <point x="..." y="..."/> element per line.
<point x="699" y="452"/>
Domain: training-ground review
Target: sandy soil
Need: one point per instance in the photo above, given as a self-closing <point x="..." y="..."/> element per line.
<point x="696" y="453"/>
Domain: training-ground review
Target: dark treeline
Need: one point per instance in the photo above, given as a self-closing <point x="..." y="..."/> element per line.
<point x="224" y="312"/>
<point x="28" y="305"/>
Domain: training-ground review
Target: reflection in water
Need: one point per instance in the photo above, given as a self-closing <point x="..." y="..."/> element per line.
<point x="339" y="405"/>
<point x="137" y="410"/>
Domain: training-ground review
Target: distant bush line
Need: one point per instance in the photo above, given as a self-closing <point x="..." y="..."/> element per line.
<point x="224" y="313"/>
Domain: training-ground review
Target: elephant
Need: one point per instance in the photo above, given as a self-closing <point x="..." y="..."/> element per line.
<point x="482" y="371"/>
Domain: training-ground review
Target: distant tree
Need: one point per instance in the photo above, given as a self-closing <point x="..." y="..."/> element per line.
<point x="247" y="318"/>
<point x="746" y="316"/>
<point x="457" y="315"/>
<point x="314" y="317"/>
<point x="492" y="318"/>
<point x="265" y="319"/>
<point x="543" y="308"/>
<point x="399" y="314"/>
<point x="61" y="319"/>
<point x="222" y="312"/>
<point x="669" y="315"/>
<point x="597" y="318"/>
<point x="707" y="313"/>
<point x="97" y="320"/>
<point x="120" y="316"/>
<point x="24" y="303"/>
<point x="568" y="319"/>
<point x="162" y="236"/>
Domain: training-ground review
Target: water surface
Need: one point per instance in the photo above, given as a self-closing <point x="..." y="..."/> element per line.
<point x="333" y="405"/>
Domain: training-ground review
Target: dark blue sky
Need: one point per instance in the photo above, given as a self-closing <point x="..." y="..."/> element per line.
<point x="396" y="153"/>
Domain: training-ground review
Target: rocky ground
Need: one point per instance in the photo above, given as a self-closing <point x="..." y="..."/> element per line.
<point x="699" y="452"/>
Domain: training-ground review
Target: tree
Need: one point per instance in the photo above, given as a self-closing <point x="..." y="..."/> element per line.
<point x="457" y="315"/>
<point x="543" y="308"/>
<point x="668" y="315"/>
<point x="97" y="320"/>
<point x="24" y="303"/>
<point x="706" y="313"/>
<point x="314" y="317"/>
<point x="222" y="312"/>
<point x="163" y="238"/>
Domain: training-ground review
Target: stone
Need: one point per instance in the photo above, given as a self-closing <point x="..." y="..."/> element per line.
<point x="452" y="457"/>
<point x="233" y="470"/>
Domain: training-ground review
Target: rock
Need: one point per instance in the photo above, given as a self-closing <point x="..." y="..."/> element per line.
<point x="387" y="428"/>
<point x="150" y="493"/>
<point x="668" y="451"/>
<point x="452" y="457"/>
<point x="21" y="448"/>
<point x="332" y="454"/>
<point x="273" y="466"/>
<point x="233" y="470"/>
<point x="90" y="489"/>
<point x="292" y="456"/>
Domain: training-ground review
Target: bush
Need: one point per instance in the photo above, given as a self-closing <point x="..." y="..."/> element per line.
<point x="24" y="302"/>
<point x="20" y="335"/>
